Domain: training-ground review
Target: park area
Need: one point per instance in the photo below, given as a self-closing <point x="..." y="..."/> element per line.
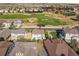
<point x="41" y="19"/>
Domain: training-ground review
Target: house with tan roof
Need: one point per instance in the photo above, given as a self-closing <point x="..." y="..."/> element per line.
<point x="17" y="34"/>
<point x="1" y="24"/>
<point x="18" y="23"/>
<point x="38" y="34"/>
<point x="1" y="10"/>
<point x="5" y="34"/>
<point x="7" y="23"/>
<point x="35" y="34"/>
<point x="71" y="33"/>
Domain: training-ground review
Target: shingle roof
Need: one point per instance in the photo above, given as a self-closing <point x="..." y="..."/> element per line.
<point x="19" y="31"/>
<point x="8" y="21"/>
<point x="38" y="31"/>
<point x="17" y="21"/>
<point x="71" y="30"/>
<point x="4" y="45"/>
<point x="5" y="33"/>
<point x="58" y="47"/>
<point x="2" y="21"/>
<point x="76" y="27"/>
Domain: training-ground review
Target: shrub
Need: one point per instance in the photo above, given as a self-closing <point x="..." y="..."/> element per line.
<point x="70" y="14"/>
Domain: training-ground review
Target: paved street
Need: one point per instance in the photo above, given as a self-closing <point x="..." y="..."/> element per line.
<point x="26" y="49"/>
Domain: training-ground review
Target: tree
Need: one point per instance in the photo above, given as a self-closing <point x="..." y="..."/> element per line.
<point x="73" y="44"/>
<point x="12" y="26"/>
<point x="77" y="18"/>
<point x="2" y="25"/>
<point x="69" y="13"/>
<point x="54" y="35"/>
<point x="41" y="24"/>
<point x="1" y="13"/>
<point x="51" y="35"/>
<point x="78" y="23"/>
<point x="46" y="35"/>
<point x="9" y="11"/>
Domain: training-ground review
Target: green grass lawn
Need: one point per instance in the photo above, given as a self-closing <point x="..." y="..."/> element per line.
<point x="14" y="16"/>
<point x="42" y="19"/>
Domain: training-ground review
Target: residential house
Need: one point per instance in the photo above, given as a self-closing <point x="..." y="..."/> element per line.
<point x="17" y="34"/>
<point x="20" y="33"/>
<point x="11" y="11"/>
<point x="1" y="24"/>
<point x="18" y="23"/>
<point x="14" y="11"/>
<point x="75" y="9"/>
<point x="5" y="34"/>
<point x="70" y="33"/>
<point x="58" y="47"/>
<point x="28" y="36"/>
<point x="38" y="34"/>
<point x="7" y="23"/>
<point x="1" y="10"/>
<point x="6" y="10"/>
<point x="22" y="10"/>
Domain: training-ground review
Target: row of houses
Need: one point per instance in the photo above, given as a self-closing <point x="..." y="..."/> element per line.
<point x="21" y="10"/>
<point x="9" y="23"/>
<point x="57" y="47"/>
<point x="36" y="34"/>
<point x="65" y="33"/>
<point x="50" y="8"/>
<point x="15" y="34"/>
<point x="69" y="33"/>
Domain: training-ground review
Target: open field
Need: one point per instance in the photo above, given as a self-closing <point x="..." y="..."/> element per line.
<point x="14" y="16"/>
<point x="42" y="19"/>
<point x="38" y="18"/>
<point x="64" y="18"/>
